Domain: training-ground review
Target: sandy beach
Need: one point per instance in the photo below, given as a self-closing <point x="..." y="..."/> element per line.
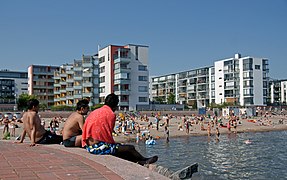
<point x="270" y="123"/>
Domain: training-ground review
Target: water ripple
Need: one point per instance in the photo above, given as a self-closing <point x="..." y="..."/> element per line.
<point x="230" y="158"/>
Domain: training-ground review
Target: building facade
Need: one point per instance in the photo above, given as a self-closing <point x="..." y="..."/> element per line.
<point x="12" y="84"/>
<point x="41" y="83"/>
<point x="278" y="92"/>
<point x="238" y="80"/>
<point x="123" y="70"/>
<point x="77" y="81"/>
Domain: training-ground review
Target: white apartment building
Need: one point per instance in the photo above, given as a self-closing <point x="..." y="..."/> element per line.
<point x="241" y="80"/>
<point x="77" y="81"/>
<point x="278" y="92"/>
<point x="123" y="70"/>
<point x="238" y="80"/>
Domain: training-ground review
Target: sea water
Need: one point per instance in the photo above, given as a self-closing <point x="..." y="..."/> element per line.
<point x="265" y="157"/>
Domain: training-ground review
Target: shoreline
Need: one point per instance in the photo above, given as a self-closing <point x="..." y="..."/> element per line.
<point x="195" y="129"/>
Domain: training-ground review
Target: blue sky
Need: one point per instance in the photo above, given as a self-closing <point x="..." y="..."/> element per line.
<point x="181" y="35"/>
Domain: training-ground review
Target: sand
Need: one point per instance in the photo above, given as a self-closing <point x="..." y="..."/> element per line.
<point x="195" y="130"/>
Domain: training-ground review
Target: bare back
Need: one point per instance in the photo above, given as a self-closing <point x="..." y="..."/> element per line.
<point x="73" y="125"/>
<point x="32" y="119"/>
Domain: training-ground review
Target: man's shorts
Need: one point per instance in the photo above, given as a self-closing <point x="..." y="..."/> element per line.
<point x="71" y="142"/>
<point x="102" y="148"/>
<point x="50" y="138"/>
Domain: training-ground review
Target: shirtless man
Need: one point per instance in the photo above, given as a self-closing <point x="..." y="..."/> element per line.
<point x="72" y="132"/>
<point x="32" y="126"/>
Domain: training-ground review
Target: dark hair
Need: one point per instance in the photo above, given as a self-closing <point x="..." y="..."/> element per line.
<point x="32" y="103"/>
<point x="112" y="100"/>
<point x="82" y="104"/>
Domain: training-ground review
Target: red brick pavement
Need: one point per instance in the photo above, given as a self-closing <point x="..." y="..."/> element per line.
<point x="19" y="161"/>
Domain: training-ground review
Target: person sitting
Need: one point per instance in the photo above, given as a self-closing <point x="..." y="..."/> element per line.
<point x="32" y="126"/>
<point x="97" y="134"/>
<point x="72" y="131"/>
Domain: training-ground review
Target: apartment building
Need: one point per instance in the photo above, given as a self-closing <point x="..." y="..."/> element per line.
<point x="20" y="80"/>
<point x="238" y="80"/>
<point x="278" y="92"/>
<point x="242" y="80"/>
<point x="77" y="81"/>
<point x="123" y="70"/>
<point x="12" y="84"/>
<point x="41" y="83"/>
<point x="189" y="87"/>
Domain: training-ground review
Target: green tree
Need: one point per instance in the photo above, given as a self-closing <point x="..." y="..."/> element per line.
<point x="22" y="101"/>
<point x="159" y="100"/>
<point x="171" y="99"/>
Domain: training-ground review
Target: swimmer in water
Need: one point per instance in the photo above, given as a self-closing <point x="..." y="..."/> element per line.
<point x="247" y="141"/>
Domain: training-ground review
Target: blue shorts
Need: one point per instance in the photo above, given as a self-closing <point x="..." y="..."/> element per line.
<point x="102" y="148"/>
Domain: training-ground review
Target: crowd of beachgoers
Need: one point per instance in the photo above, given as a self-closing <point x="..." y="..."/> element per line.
<point x="138" y="126"/>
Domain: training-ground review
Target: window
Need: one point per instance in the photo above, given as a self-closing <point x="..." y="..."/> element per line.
<point x="264" y="92"/>
<point x="212" y="94"/>
<point x="142" y="78"/>
<point x="257" y="67"/>
<point x="143" y="99"/>
<point x="247" y="64"/>
<point x="248" y="92"/>
<point x="102" y="79"/>
<point x="264" y="84"/>
<point x="142" y="68"/>
<point x="102" y="69"/>
<point x="143" y="89"/>
<point x="248" y="100"/>
<point x="101" y="59"/>
<point x="212" y="78"/>
<point x="212" y="86"/>
<point x="248" y="83"/>
<point x="102" y="89"/>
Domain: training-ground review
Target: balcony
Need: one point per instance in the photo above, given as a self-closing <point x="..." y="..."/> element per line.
<point x="123" y="103"/>
<point x="122" y="92"/>
<point x="122" y="60"/>
<point x="57" y="77"/>
<point x="63" y="91"/>
<point x="87" y="84"/>
<point x="87" y="94"/>
<point x="77" y="87"/>
<point x="69" y="88"/>
<point x="69" y="97"/>
<point x="87" y="65"/>
<point x="56" y="99"/>
<point x="70" y="80"/>
<point x="77" y="96"/>
<point x="63" y="83"/>
<point x="86" y="74"/>
<point x="78" y="78"/>
<point x="122" y="70"/>
<point x="122" y="81"/>
<point x="79" y="68"/>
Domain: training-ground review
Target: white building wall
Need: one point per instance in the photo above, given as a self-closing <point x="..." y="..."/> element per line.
<point x="107" y="74"/>
<point x="30" y="80"/>
<point x="134" y="76"/>
<point x="258" y="82"/>
<point x="219" y="82"/>
<point x="283" y="91"/>
<point x="241" y="93"/>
